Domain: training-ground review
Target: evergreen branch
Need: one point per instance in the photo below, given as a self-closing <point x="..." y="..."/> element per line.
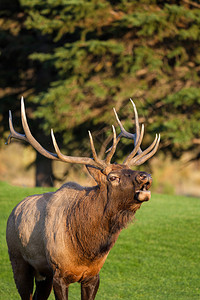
<point x="192" y="3"/>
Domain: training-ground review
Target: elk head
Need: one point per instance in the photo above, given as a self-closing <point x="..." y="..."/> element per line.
<point x="103" y="171"/>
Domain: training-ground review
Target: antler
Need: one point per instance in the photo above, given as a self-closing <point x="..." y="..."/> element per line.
<point x="142" y="156"/>
<point x="96" y="162"/>
<point x="131" y="160"/>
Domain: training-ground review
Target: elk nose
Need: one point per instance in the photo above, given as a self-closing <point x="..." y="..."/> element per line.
<point x="144" y="177"/>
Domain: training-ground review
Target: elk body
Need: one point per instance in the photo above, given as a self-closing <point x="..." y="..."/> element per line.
<point x="65" y="236"/>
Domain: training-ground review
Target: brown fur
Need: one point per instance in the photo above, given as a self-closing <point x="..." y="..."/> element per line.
<point x="68" y="234"/>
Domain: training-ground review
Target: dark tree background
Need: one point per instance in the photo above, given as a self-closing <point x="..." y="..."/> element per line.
<point x="74" y="60"/>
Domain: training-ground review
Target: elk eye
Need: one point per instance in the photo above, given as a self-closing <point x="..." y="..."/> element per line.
<point x="112" y="178"/>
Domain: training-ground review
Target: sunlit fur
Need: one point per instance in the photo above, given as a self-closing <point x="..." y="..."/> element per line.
<point x="65" y="236"/>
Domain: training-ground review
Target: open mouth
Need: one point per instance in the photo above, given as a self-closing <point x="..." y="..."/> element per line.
<point x="143" y="194"/>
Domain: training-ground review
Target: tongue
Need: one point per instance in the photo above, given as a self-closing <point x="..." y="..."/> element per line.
<point x="143" y="195"/>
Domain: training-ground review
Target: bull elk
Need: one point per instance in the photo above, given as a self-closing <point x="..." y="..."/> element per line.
<point x="63" y="237"/>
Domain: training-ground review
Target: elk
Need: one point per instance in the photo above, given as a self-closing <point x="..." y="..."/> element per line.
<point x="63" y="237"/>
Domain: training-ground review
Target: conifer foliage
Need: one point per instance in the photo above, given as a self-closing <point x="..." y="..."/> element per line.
<point x="97" y="54"/>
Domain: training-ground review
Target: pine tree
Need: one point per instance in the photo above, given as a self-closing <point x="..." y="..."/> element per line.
<point x="105" y="52"/>
<point x="97" y="54"/>
<point x="20" y="76"/>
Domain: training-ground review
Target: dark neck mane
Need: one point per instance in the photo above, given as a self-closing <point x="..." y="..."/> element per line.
<point x="94" y="223"/>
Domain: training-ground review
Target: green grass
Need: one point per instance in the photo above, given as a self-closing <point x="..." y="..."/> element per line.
<point x="156" y="257"/>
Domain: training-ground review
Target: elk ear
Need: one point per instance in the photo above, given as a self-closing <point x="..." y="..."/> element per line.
<point x="97" y="174"/>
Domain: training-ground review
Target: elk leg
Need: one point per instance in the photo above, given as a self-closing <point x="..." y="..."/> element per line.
<point x="60" y="288"/>
<point x="43" y="289"/>
<point x="23" y="276"/>
<point x="89" y="288"/>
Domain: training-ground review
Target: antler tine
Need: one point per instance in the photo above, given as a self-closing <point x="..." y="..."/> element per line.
<point x="111" y="153"/>
<point x="72" y="159"/>
<point x="146" y="154"/>
<point x="123" y="132"/>
<point x="30" y="139"/>
<point x="58" y="152"/>
<point x="94" y="154"/>
<point x="140" y="160"/>
<point x="132" y="136"/>
<point x="13" y="133"/>
<point x="137" y="137"/>
<point x="137" y="125"/>
<point x="135" y="150"/>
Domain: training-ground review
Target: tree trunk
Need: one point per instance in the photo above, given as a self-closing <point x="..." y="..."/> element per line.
<point x="44" y="173"/>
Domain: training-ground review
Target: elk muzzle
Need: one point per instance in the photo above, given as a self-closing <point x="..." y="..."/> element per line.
<point x="144" y="181"/>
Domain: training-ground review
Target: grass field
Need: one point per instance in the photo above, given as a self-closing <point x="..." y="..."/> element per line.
<point x="156" y="257"/>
